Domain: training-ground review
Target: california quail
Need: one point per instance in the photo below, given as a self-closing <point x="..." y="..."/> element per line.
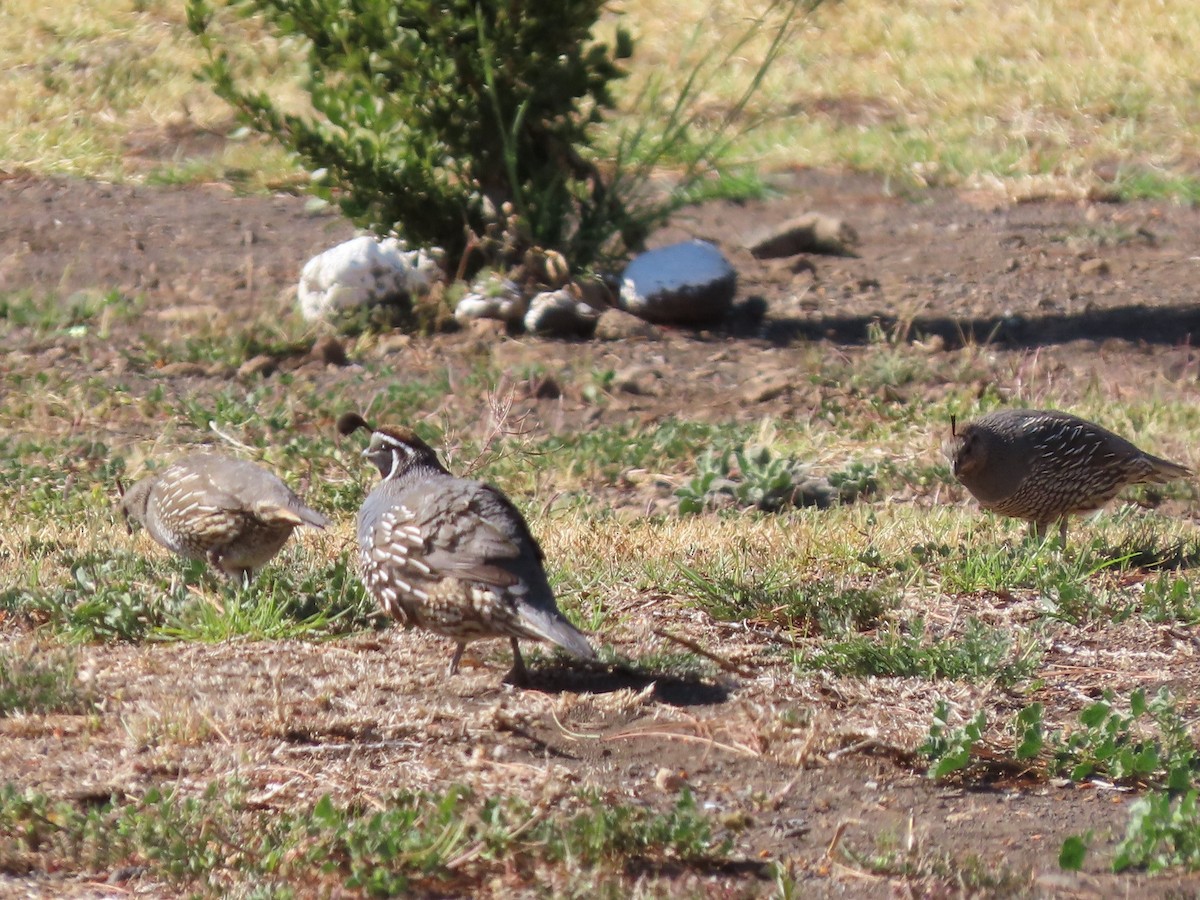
<point x="228" y="511"/>
<point x="451" y="555"/>
<point x="1044" y="465"/>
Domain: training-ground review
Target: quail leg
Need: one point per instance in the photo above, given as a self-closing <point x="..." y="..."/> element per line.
<point x="518" y="675"/>
<point x="458" y="652"/>
<point x="1062" y="533"/>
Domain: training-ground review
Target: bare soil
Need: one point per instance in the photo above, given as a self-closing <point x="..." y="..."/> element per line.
<point x="800" y="767"/>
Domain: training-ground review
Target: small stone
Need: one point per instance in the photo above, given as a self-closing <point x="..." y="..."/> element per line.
<point x="493" y="297"/>
<point x="330" y="351"/>
<point x="641" y="381"/>
<point x="808" y="233"/>
<point x="177" y="369"/>
<point x="257" y="365"/>
<point x="1097" y="267"/>
<point x="766" y="388"/>
<point x="618" y="325"/>
<point x="560" y="314"/>
<point x="670" y="781"/>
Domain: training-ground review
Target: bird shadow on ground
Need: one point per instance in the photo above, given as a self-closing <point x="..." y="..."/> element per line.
<point x="1150" y="557"/>
<point x="1156" y="325"/>
<point x="600" y="678"/>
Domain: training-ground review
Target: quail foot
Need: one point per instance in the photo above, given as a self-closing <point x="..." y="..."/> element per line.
<point x="232" y="513"/>
<point x="451" y="555"/>
<point x="1044" y="465"/>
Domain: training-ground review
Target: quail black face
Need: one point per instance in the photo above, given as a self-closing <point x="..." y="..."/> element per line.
<point x="384" y="455"/>
<point x="396" y="450"/>
<point x="968" y="453"/>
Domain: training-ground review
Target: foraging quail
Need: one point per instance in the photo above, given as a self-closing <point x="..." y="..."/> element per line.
<point x="1044" y="465"/>
<point x="452" y="555"/>
<point x="228" y="511"/>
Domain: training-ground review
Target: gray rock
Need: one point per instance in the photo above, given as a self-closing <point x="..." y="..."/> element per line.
<point x="808" y="233"/>
<point x="690" y="283"/>
<point x="618" y="325"/>
<point x="362" y="273"/>
<point x="560" y="314"/>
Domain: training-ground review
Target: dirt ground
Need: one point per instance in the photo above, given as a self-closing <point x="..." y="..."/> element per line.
<point x="797" y="762"/>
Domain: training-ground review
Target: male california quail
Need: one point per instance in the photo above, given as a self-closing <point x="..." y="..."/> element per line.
<point x="1044" y="465"/>
<point x="228" y="511"/>
<point x="452" y="555"/>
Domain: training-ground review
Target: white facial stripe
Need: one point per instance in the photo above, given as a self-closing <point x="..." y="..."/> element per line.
<point x="400" y="451"/>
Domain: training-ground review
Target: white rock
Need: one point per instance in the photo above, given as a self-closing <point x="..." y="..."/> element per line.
<point x="560" y="314"/>
<point x="492" y="299"/>
<point x="364" y="272"/>
<point x="689" y="283"/>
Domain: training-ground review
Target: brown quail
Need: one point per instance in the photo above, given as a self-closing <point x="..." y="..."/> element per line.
<point x="1044" y="465"/>
<point x="230" y="512"/>
<point x="451" y="555"/>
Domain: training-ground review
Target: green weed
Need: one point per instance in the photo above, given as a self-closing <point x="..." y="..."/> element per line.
<point x="980" y="652"/>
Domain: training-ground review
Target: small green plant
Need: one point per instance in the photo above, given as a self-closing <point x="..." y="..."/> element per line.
<point x="409" y="843"/>
<point x="770" y="595"/>
<point x="979" y="652"/>
<point x="277" y="606"/>
<point x="949" y="749"/>
<point x="1163" y="833"/>
<point x="1170" y="598"/>
<point x="1109" y="743"/>
<point x="756" y="478"/>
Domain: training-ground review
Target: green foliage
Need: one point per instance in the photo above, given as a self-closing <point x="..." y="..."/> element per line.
<point x="1170" y="598"/>
<point x="278" y="605"/>
<point x="740" y="591"/>
<point x="473" y="125"/>
<point x="410" y="842"/>
<point x="428" y="117"/>
<point x="73" y="316"/>
<point x="1113" y="744"/>
<point x="1107" y="743"/>
<point x="949" y="749"/>
<point x="756" y="478"/>
<point x="1072" y="853"/>
<point x="120" y="597"/>
<point x="980" y="652"/>
<point x="1163" y="833"/>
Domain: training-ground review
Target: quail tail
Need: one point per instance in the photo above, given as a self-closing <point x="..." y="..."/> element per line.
<point x="551" y="626"/>
<point x="292" y="514"/>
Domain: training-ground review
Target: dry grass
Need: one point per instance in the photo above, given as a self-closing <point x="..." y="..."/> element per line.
<point x="1047" y="97"/>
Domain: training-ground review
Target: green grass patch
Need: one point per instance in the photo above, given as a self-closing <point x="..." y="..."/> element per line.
<point x="742" y="591"/>
<point x="427" y="842"/>
<point x="130" y="598"/>
<point x="980" y="652"/>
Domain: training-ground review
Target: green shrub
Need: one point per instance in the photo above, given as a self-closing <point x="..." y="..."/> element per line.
<point x="443" y="118"/>
<point x="472" y="124"/>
